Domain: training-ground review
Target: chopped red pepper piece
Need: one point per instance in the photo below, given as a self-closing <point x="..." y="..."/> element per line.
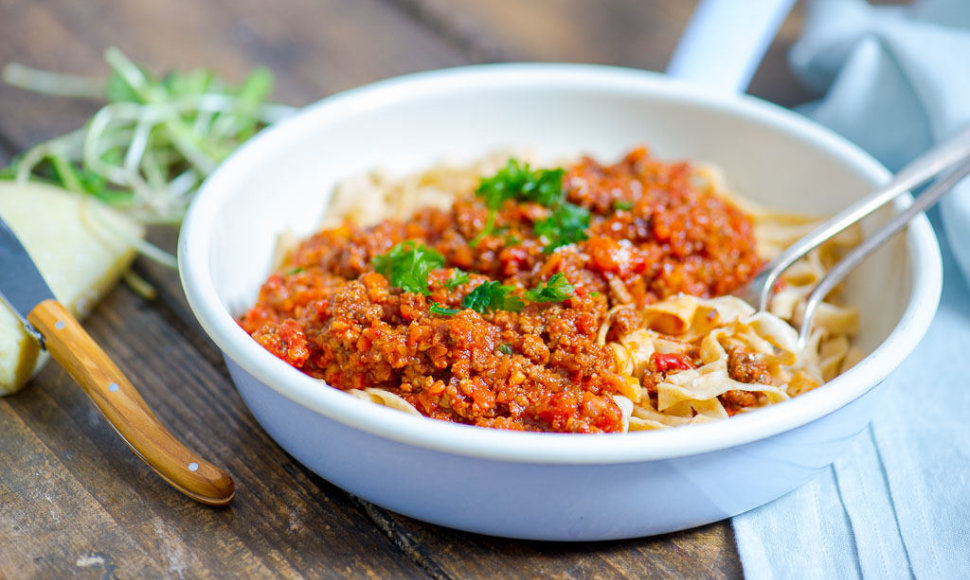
<point x="664" y="362"/>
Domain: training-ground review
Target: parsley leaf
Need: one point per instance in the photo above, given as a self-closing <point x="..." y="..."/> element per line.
<point x="505" y="348"/>
<point x="566" y="225"/>
<point x="517" y="181"/>
<point x="492" y="295"/>
<point x="458" y="277"/>
<point x="407" y="265"/>
<point x="556" y="289"/>
<point x="622" y="205"/>
<point x="442" y="310"/>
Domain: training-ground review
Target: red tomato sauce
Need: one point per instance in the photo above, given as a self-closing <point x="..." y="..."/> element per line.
<point x="651" y="235"/>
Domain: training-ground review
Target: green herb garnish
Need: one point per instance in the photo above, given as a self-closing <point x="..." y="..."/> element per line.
<point x="505" y="348"/>
<point x="516" y="181"/>
<point x="492" y="295"/>
<point x="407" y="265"/>
<point x="458" y="277"/>
<point x="566" y="225"/>
<point x="556" y="289"/>
<point x="622" y="205"/>
<point x="442" y="310"/>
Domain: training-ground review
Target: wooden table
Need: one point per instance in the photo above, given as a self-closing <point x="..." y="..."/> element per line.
<point x="76" y="502"/>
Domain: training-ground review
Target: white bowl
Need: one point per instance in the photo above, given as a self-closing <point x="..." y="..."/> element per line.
<point x="527" y="485"/>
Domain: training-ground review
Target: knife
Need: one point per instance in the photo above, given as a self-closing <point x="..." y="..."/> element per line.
<point x="23" y="288"/>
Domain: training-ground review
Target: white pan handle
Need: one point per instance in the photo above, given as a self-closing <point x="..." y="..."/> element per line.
<point x="725" y="41"/>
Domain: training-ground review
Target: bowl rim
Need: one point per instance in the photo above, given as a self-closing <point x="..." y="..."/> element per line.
<point x="555" y="448"/>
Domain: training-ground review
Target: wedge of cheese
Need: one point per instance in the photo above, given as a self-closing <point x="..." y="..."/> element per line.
<point x="81" y="247"/>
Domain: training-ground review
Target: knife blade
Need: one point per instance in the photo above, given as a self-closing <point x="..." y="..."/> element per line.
<point x="21" y="285"/>
<point x="23" y="288"/>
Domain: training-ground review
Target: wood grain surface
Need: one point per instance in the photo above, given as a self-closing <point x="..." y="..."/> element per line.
<point x="125" y="409"/>
<point x="76" y="503"/>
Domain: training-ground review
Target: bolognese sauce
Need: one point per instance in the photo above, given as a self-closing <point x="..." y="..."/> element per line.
<point x="501" y="327"/>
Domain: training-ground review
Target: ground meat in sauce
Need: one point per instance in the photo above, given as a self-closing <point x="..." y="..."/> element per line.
<point x="651" y="235"/>
<point x="745" y="367"/>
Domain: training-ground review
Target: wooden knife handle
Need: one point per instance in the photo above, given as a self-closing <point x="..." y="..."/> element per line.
<point x="125" y="409"/>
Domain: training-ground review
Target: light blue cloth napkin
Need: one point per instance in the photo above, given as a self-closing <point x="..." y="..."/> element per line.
<point x="897" y="505"/>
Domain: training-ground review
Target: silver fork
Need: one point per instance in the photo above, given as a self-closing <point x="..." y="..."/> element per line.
<point x="948" y="163"/>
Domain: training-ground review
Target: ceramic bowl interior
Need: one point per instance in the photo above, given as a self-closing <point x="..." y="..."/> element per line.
<point x="281" y="180"/>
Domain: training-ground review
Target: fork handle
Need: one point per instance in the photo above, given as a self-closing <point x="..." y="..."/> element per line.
<point x="925" y="167"/>
<point x="124" y="408"/>
<point x="924" y="201"/>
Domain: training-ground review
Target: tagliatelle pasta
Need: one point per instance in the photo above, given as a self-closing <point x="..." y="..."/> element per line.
<point x="590" y="299"/>
<point x="372" y="197"/>
<point x="714" y="335"/>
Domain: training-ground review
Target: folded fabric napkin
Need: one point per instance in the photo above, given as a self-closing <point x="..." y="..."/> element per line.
<point x="896" y="80"/>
